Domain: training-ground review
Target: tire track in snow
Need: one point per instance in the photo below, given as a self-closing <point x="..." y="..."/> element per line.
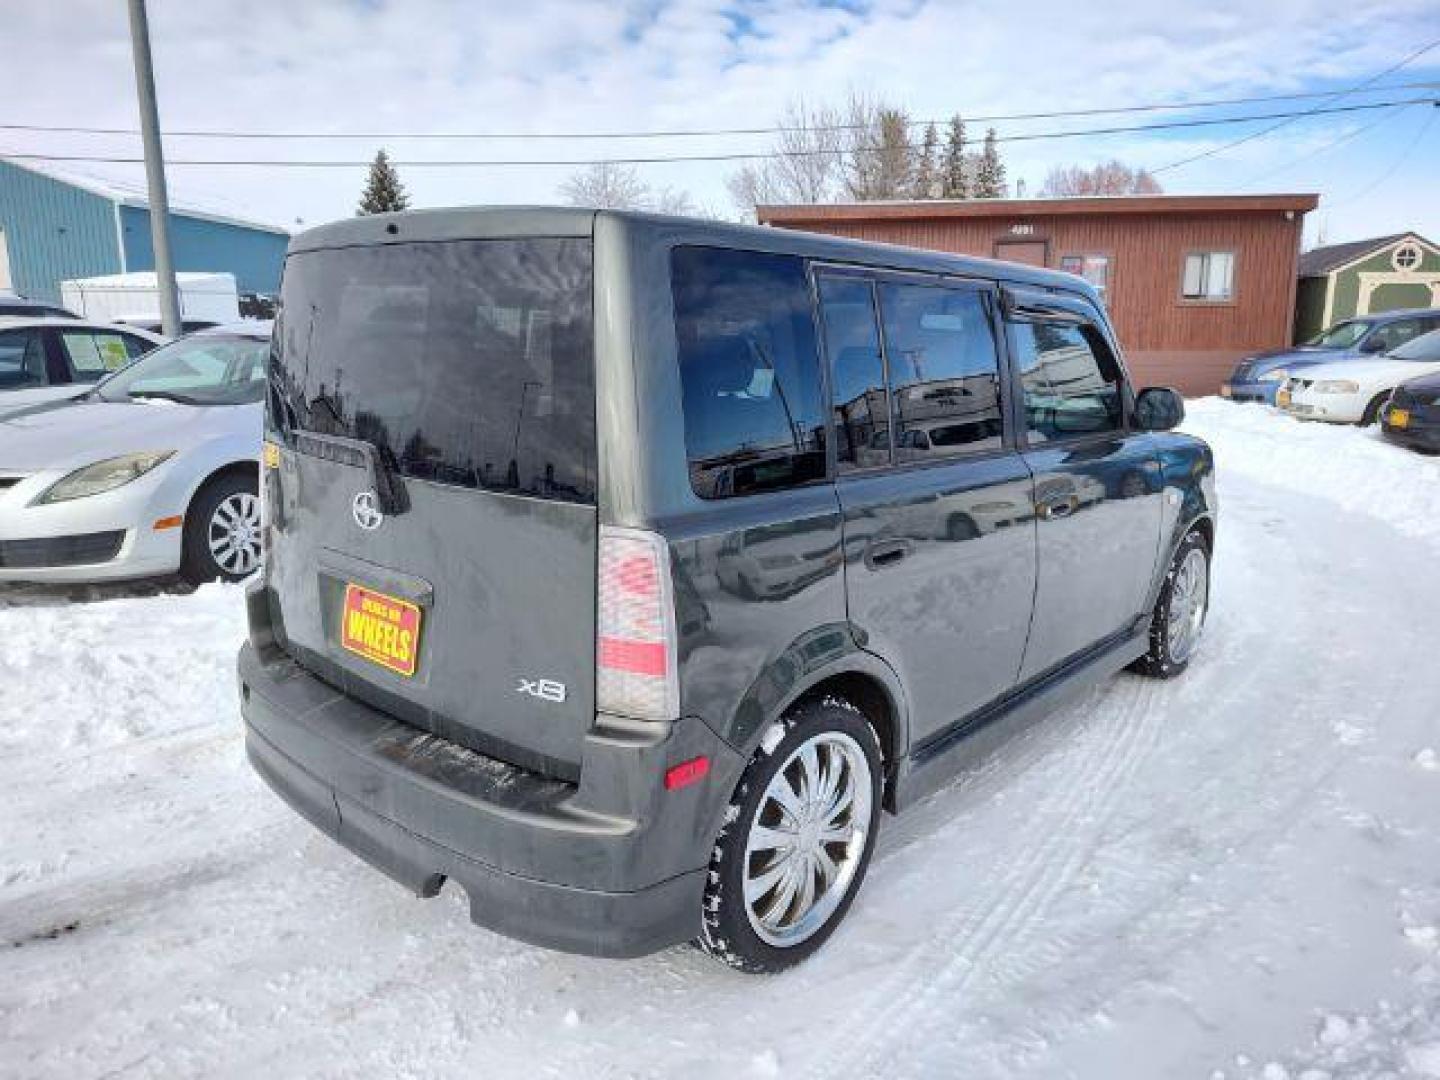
<point x="1057" y="843"/>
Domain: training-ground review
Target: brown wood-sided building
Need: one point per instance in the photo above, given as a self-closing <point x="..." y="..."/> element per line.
<point x="1192" y="283"/>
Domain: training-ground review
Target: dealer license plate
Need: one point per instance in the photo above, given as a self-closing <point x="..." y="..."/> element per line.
<point x="383" y="629"/>
<point x="1282" y="398"/>
<point x="1399" y="418"/>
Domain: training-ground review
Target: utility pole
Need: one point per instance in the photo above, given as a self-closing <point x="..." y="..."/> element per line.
<point x="154" y="170"/>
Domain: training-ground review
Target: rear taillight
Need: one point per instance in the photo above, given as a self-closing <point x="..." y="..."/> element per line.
<point x="635" y="627"/>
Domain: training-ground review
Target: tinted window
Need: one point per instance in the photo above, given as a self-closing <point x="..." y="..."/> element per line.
<point x="466" y="362"/>
<point x="208" y="370"/>
<point x="944" y="371"/>
<point x="857" y="372"/>
<point x="749" y="372"/>
<point x="1341" y="336"/>
<point x="1070" y="379"/>
<point x="22" y="359"/>
<point x="94" y="353"/>
<point x="1393" y="335"/>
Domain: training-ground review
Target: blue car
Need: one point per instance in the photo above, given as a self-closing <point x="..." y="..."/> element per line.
<point x="1256" y="378"/>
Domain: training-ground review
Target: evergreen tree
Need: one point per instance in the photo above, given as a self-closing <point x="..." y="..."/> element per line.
<point x="927" y="178"/>
<point x="990" y="174"/>
<point x="954" y="184"/>
<point x="383" y="190"/>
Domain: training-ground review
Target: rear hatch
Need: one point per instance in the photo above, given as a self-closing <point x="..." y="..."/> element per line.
<point x="433" y="521"/>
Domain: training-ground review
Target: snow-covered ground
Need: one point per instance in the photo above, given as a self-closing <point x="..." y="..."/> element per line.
<point x="1234" y="875"/>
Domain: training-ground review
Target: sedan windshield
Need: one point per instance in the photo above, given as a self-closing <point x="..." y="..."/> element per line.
<point x="1424" y="349"/>
<point x="1341" y="335"/>
<point x="211" y="369"/>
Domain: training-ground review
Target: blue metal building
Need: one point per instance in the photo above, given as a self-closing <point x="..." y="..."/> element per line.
<point x="54" y="227"/>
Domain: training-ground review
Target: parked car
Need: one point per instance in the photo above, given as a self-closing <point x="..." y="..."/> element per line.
<point x="1258" y="378"/>
<point x="55" y="358"/>
<point x="17" y="307"/>
<point x="187" y="326"/>
<point x="584" y="592"/>
<point x="1412" y="416"/>
<point x="1355" y="392"/>
<point x="153" y="472"/>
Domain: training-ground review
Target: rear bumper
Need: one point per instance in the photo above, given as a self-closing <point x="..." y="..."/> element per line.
<point x="613" y="866"/>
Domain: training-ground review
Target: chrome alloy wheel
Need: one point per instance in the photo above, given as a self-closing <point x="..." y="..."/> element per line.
<point x="233" y="534"/>
<point x="1189" y="597"/>
<point x="807" y="839"/>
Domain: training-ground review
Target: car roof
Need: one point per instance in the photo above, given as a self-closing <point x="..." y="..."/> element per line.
<point x="13" y="322"/>
<point x="251" y="328"/>
<point x="489" y="222"/>
<point x="1391" y="316"/>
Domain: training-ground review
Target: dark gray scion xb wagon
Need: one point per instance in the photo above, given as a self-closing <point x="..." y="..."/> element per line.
<point x="622" y="569"/>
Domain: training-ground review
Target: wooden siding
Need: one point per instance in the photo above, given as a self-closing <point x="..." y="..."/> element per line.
<point x="54" y="231"/>
<point x="1188" y="344"/>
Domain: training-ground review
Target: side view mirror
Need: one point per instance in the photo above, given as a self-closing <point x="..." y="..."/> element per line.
<point x="1373" y="344"/>
<point x="1159" y="408"/>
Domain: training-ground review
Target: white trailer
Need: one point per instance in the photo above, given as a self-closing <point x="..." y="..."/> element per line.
<point x="135" y="298"/>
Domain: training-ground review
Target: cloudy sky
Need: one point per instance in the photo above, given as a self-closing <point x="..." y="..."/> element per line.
<point x="396" y="67"/>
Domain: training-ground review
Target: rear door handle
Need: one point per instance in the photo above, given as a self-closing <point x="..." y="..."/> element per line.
<point x="886" y="553"/>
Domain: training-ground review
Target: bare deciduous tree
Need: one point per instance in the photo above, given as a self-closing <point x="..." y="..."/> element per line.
<point x="609" y="186"/>
<point x="880" y="160"/>
<point x="1108" y="178"/>
<point x="806" y="166"/>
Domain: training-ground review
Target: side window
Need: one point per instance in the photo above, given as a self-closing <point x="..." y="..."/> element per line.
<point x="1397" y="333"/>
<point x="861" y="419"/>
<point x="749" y="371"/>
<point x="22" y="360"/>
<point x="1071" y="380"/>
<point x="135" y="347"/>
<point x="93" y="355"/>
<point x="1209" y="275"/>
<point x="944" y="370"/>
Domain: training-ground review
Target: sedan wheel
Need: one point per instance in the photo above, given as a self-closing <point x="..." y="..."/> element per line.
<point x="234" y="534"/>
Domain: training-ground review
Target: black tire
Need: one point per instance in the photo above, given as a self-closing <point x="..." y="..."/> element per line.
<point x="1160" y="662"/>
<point x="198" y="564"/>
<point x="1372" y="411"/>
<point x="961" y="527"/>
<point x="727" y="932"/>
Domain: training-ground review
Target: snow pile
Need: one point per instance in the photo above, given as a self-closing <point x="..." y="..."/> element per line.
<point x="1355" y="468"/>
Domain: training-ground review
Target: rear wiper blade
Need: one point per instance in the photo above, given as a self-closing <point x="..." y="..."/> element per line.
<point x="385" y="478"/>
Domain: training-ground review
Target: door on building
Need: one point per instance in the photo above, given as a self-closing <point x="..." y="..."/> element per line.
<point x="1098" y="485"/>
<point x="936" y="501"/>
<point x="1028" y="252"/>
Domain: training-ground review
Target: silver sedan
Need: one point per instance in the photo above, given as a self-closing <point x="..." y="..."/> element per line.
<point x="153" y="472"/>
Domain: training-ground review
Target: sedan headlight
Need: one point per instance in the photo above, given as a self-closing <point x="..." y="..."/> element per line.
<point x="103" y="476"/>
<point x="1278" y="375"/>
<point x="1337" y="386"/>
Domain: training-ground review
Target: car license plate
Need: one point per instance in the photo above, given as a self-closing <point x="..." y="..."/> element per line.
<point x="1399" y="418"/>
<point x="1225" y="390"/>
<point x="381" y="628"/>
<point x="1282" y="398"/>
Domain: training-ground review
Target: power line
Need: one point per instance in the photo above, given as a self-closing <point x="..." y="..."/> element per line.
<point x="1353" y="133"/>
<point x="704" y="132"/>
<point x="717" y="157"/>
<point x="1403" y="157"/>
<point x="1357" y="88"/>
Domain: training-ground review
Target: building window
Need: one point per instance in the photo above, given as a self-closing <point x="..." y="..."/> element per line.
<point x="1093" y="268"/>
<point x="1209" y="275"/>
<point x="1406" y="258"/>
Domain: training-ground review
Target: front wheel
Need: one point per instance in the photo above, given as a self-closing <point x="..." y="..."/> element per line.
<point x="796" y="841"/>
<point x="1179" y="616"/>
<point x="222" y="531"/>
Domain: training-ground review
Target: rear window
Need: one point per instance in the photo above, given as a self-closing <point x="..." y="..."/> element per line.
<point x="749" y="371"/>
<point x="469" y="363"/>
